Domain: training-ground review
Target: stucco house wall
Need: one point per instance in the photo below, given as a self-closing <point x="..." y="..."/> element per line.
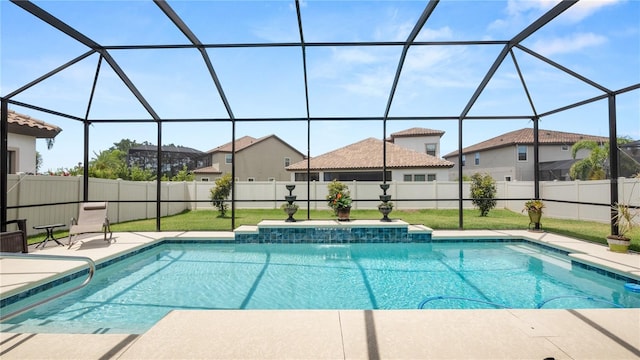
<point x="265" y="161"/>
<point x="24" y="153"/>
<point x="256" y="160"/>
<point x="419" y="144"/>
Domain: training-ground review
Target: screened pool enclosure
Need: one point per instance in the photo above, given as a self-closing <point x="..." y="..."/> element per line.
<point x="319" y="74"/>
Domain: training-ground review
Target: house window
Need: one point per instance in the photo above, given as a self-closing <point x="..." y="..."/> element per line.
<point x="477" y="161"/>
<point x="251" y="179"/>
<point x="303" y="176"/>
<point x="430" y="149"/>
<point x="204" y="179"/>
<point x="287" y="161"/>
<point x="522" y="153"/>
<point x="464" y="159"/>
<point x="419" y="177"/>
<point x="564" y="147"/>
<point x="11" y="162"/>
<point x="507" y="178"/>
<point x="228" y="158"/>
<point x="431" y="177"/>
<point x="408" y="177"/>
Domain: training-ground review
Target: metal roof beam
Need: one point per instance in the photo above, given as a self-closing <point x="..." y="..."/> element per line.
<point x="123" y="76"/>
<point x="56" y="23"/>
<point x="542" y="21"/>
<point x="175" y="18"/>
<point x="428" y="10"/>
<point x="50" y="74"/>
<point x="566" y="70"/>
<point x="536" y="25"/>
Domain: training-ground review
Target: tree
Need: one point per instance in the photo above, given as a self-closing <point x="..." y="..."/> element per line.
<point x="138" y="174"/>
<point x="109" y="164"/>
<point x="591" y="167"/>
<point x="483" y="192"/>
<point x="38" y="161"/>
<point x="220" y="193"/>
<point x="184" y="175"/>
<point x="594" y="166"/>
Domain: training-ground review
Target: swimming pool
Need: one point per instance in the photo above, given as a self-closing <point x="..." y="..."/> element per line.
<point x="131" y="295"/>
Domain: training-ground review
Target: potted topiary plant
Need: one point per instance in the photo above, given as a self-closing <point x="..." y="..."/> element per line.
<point x="534" y="210"/>
<point x="339" y="200"/>
<point x="624" y="220"/>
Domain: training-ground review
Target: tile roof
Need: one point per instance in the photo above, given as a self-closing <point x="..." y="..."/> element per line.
<point x="247" y="141"/>
<point x="367" y="154"/>
<point x="26" y="125"/>
<point x="417" y="131"/>
<point x="214" y="169"/>
<point x="167" y="148"/>
<point x="241" y="143"/>
<point x="525" y="137"/>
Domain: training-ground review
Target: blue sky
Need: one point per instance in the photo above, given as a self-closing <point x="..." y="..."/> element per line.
<point x="597" y="39"/>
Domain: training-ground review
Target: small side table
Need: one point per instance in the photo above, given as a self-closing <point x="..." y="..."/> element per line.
<point x="49" y="229"/>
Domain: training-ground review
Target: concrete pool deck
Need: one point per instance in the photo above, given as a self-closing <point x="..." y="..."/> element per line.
<point x="337" y="334"/>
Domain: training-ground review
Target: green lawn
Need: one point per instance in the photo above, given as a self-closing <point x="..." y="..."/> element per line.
<point x="208" y="220"/>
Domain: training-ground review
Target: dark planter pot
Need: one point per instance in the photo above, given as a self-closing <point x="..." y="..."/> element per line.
<point x="385" y="210"/>
<point x="343" y="214"/>
<point x="290" y="211"/>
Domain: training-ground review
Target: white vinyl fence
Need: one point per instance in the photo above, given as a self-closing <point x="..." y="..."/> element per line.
<point x="28" y="191"/>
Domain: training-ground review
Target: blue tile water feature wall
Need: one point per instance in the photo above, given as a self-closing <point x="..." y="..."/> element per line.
<point x="331" y="235"/>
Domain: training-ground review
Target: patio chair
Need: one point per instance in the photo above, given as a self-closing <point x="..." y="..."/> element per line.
<point x="92" y="218"/>
<point x="15" y="241"/>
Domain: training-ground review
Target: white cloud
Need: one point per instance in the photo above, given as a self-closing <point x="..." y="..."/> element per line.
<point x="519" y="13"/>
<point x="373" y="84"/>
<point x="354" y="56"/>
<point x="443" y="33"/>
<point x="584" y="8"/>
<point x="568" y="44"/>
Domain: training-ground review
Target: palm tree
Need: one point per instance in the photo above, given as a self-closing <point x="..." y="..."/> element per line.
<point x="593" y="166"/>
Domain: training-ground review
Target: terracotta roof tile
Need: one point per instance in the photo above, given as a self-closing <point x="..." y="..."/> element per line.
<point x="25" y="124"/>
<point x="241" y="143"/>
<point x="525" y="137"/>
<point x="417" y="131"/>
<point x="367" y="154"/>
<point x="247" y="141"/>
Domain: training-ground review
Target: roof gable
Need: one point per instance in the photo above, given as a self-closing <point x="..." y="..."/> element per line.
<point x="248" y="141"/>
<point x="525" y="137"/>
<point x="367" y="154"/>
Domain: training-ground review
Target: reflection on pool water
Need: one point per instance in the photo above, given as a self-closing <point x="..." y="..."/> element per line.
<point x="131" y="295"/>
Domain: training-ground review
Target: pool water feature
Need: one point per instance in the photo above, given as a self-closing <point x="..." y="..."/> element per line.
<point x="131" y="295"/>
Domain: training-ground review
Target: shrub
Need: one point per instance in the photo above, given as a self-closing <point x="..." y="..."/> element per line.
<point x="339" y="196"/>
<point x="483" y="192"/>
<point x="220" y="193"/>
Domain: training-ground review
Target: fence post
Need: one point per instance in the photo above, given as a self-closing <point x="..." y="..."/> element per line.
<point x="355" y="190"/>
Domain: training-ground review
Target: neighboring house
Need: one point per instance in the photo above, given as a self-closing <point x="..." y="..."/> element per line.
<point x="363" y="161"/>
<point x="174" y="158"/>
<point x="510" y="156"/>
<point x="263" y="159"/>
<point x="23" y="131"/>
<point x="419" y="139"/>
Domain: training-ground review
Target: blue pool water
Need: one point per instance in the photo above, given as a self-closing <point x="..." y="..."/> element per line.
<point x="132" y="295"/>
